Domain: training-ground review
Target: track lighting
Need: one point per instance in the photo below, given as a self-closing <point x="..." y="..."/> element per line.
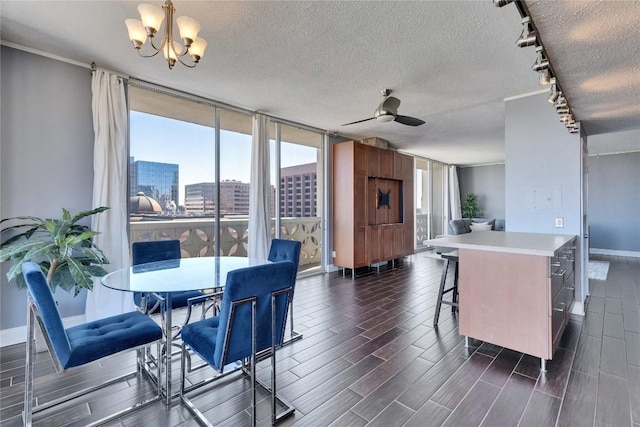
<point x="545" y="77"/>
<point x="501" y="3"/>
<point x="562" y="102"/>
<point x="529" y="35"/>
<point x="542" y="65"/>
<point x="555" y="93"/>
<point x="541" y="62"/>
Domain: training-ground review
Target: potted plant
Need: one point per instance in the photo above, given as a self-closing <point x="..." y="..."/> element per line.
<point x="63" y="249"/>
<point x="470" y="207"/>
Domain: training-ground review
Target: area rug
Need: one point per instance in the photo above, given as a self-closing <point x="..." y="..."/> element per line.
<point x="598" y="270"/>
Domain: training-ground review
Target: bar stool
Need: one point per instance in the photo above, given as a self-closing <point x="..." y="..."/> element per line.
<point x="449" y="257"/>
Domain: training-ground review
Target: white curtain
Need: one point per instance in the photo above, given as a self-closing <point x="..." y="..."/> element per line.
<point x="455" y="208"/>
<point x="109" y="189"/>
<point x="259" y="191"/>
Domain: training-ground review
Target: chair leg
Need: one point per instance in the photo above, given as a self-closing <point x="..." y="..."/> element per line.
<point x="29" y="367"/>
<point x="273" y="355"/>
<point x="254" y="346"/>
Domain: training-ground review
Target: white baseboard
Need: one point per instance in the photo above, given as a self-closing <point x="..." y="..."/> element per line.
<point x="577" y="308"/>
<point x="331" y="268"/>
<point x="19" y="334"/>
<point x="632" y="254"/>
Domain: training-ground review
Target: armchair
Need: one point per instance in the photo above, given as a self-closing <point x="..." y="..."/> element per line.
<point x="81" y="344"/>
<point x="250" y="326"/>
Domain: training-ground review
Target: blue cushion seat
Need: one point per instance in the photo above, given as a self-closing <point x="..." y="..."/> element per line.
<point x="207" y="337"/>
<point x="100" y="338"/>
<point x="90" y="341"/>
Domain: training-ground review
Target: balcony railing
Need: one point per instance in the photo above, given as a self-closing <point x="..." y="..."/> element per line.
<point x="197" y="236"/>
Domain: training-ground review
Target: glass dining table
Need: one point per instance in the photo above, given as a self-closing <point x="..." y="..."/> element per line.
<point x="165" y="277"/>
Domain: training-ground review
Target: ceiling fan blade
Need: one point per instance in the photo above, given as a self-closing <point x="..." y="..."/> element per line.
<point x="359" y="121"/>
<point x="390" y="104"/>
<point x="409" y="121"/>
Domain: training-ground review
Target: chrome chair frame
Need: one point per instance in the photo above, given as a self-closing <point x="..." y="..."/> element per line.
<point x="293" y="335"/>
<point x="246" y="368"/>
<point x="33" y="316"/>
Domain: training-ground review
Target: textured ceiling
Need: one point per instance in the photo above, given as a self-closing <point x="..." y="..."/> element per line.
<point x="451" y="63"/>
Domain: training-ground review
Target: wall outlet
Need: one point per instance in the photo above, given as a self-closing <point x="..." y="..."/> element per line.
<point x="333" y="254"/>
<point x="559" y="222"/>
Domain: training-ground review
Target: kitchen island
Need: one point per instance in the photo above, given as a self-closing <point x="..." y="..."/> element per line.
<point x="515" y="289"/>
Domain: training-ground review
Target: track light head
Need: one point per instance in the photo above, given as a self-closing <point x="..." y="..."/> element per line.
<point x="555" y="93"/>
<point x="529" y="36"/>
<point x="501" y="3"/>
<point x="545" y="77"/>
<point x="541" y="62"/>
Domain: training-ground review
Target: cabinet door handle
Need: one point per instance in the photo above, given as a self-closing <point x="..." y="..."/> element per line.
<point x="561" y="308"/>
<point x="560" y="273"/>
<point x="571" y="289"/>
<point x="555" y="264"/>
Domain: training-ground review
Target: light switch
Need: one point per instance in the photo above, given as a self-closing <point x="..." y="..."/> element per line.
<point x="559" y="222"/>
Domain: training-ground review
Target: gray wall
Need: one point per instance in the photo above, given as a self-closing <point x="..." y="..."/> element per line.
<point x="614" y="201"/>
<point x="46" y="154"/>
<point x="488" y="183"/>
<point x="543" y="178"/>
<point x="542" y="173"/>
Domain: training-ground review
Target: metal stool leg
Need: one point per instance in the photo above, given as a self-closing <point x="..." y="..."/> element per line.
<point x="443" y="280"/>
<point x="454" y="297"/>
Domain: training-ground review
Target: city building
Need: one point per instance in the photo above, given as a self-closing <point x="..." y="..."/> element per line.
<point x="299" y="190"/>
<point x="156" y="180"/>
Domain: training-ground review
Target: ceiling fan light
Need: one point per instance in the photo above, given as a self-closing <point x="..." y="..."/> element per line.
<point x="137" y="34"/>
<point x="385" y="118"/>
<point x="152" y="17"/>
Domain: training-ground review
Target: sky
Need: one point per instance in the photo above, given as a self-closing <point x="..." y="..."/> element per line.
<point x="191" y="146"/>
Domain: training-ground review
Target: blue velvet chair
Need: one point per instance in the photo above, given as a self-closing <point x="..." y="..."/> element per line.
<point x="81" y="344"/>
<point x="161" y="250"/>
<point x="251" y="324"/>
<point x="281" y="250"/>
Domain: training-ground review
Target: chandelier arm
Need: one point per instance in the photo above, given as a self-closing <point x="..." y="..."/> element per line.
<point x="185" y="64"/>
<point x="158" y="49"/>
<point x="147" y="56"/>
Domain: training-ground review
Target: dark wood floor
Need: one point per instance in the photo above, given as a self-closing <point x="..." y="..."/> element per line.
<point x="370" y="356"/>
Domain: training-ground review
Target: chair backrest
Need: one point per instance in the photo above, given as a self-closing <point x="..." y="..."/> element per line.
<point x="233" y="341"/>
<point x="49" y="315"/>
<point x="282" y="250"/>
<point x="460" y="226"/>
<point x="156" y="250"/>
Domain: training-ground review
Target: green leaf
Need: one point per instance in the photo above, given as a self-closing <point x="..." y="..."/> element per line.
<point x="96" y="270"/>
<point x="62" y="277"/>
<point x="21" y="250"/>
<point x="74" y="240"/>
<point x="66" y="215"/>
<point x="83" y="214"/>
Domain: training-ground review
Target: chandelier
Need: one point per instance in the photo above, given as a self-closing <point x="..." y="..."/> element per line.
<point x="151" y="19"/>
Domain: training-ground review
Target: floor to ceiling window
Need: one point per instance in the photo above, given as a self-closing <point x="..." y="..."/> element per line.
<point x="176" y="189"/>
<point x="297" y="165"/>
<point x="430" y="200"/>
<point x="190" y="171"/>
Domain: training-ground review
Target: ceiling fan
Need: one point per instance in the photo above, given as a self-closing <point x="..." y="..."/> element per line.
<point x="387" y="111"/>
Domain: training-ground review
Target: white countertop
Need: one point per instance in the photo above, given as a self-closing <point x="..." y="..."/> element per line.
<point x="505" y="241"/>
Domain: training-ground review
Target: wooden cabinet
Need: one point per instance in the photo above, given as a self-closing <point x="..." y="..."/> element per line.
<point x="364" y="232"/>
<point x="514" y="300"/>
